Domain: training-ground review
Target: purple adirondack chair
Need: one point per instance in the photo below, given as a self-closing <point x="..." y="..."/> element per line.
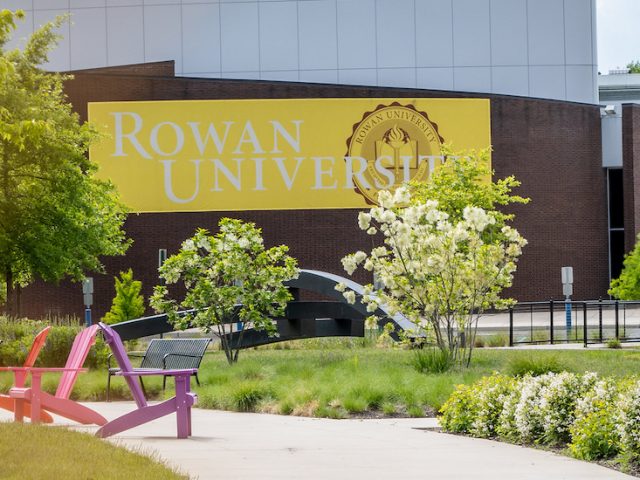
<point x="181" y="403"/>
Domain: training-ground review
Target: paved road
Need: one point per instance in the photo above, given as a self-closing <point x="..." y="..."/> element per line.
<point x="228" y="445"/>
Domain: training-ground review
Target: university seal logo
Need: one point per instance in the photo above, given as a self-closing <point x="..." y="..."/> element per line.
<point x="392" y="145"/>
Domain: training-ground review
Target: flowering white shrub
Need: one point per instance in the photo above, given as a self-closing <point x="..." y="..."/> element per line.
<point x="440" y="274"/>
<point x="596" y="418"/>
<point x="594" y="433"/>
<point x="558" y="404"/>
<point x="506" y="424"/>
<point x="476" y="408"/>
<point x="490" y="394"/>
<point x="628" y="416"/>
<point x="527" y="414"/>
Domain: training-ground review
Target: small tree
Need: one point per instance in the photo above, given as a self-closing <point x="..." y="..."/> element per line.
<point x="627" y="285"/>
<point x="228" y="277"/>
<point x="57" y="217"/>
<point x="128" y="302"/>
<point x="438" y="271"/>
<point x="464" y="180"/>
<point x="634" y="67"/>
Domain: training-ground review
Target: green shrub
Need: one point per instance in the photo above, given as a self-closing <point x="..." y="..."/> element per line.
<point x="628" y="417"/>
<point x="519" y="367"/>
<point x="557" y="404"/>
<point x="17" y="338"/>
<point x="476" y="409"/>
<point x="489" y="395"/>
<point x="507" y="428"/>
<point x="247" y="395"/>
<point x="497" y="340"/>
<point x="431" y="360"/>
<point x="458" y="412"/>
<point x="614" y="343"/>
<point x="594" y="436"/>
<point x="128" y="303"/>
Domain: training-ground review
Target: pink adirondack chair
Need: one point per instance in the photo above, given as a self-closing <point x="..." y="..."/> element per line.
<point x="181" y="403"/>
<point x="20" y="374"/>
<point x="34" y="398"/>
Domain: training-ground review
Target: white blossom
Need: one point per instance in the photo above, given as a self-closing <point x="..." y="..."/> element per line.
<point x="350" y="296"/>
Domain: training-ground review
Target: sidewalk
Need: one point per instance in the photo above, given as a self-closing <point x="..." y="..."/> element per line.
<point x="228" y="445"/>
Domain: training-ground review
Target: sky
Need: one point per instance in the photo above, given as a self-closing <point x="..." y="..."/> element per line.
<point x="618" y="25"/>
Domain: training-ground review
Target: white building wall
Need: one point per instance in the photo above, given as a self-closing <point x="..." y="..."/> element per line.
<point x="539" y="48"/>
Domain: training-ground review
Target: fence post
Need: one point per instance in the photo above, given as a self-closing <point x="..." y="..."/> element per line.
<point x="551" y="322"/>
<point x="511" y="326"/>
<point x="584" y="324"/>
<point x="600" y="318"/>
<point x="617" y="321"/>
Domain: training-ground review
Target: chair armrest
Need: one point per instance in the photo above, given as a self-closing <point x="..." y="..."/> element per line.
<point x="129" y="354"/>
<point x="164" y="359"/>
<point x="171" y="373"/>
<point x="56" y="369"/>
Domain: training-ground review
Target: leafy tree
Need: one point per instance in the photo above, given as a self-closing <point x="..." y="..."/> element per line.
<point x="229" y="277"/>
<point x="438" y="271"/>
<point x="465" y="179"/>
<point x="627" y="285"/>
<point x="128" y="302"/>
<point x="56" y="217"/>
<point x="634" y="67"/>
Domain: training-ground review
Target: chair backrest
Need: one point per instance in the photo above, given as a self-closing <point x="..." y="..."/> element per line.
<point x="79" y="351"/>
<point x="120" y="354"/>
<point x="36" y="346"/>
<point x="183" y="353"/>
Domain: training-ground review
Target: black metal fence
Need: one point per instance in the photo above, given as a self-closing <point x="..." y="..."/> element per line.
<point x="587" y="322"/>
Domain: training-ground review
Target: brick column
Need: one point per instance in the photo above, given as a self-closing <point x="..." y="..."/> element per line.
<point x="631" y="172"/>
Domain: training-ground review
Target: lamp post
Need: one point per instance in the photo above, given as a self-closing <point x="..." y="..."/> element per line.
<point x="567" y="291"/>
<point x="87" y="293"/>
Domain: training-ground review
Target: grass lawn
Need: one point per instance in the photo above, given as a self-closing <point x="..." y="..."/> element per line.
<point x="39" y="452"/>
<point x="331" y="379"/>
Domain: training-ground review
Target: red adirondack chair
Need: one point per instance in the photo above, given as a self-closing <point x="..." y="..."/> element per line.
<point x="180" y="404"/>
<point x="34" y="398"/>
<point x="20" y="374"/>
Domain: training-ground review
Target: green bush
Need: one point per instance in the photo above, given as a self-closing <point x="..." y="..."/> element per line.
<point x="628" y="419"/>
<point x="458" y="413"/>
<point x="431" y="360"/>
<point x="17" y="337"/>
<point x="614" y="343"/>
<point x="128" y="302"/>
<point x="595" y="436"/>
<point x="497" y="340"/>
<point x="519" y="367"/>
<point x="476" y="409"/>
<point x="489" y="395"/>
<point x="248" y="395"/>
<point x="597" y="419"/>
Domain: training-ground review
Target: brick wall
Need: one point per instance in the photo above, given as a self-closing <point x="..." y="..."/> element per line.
<point x="631" y="172"/>
<point x="552" y="147"/>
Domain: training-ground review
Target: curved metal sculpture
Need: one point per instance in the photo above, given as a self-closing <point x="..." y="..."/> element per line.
<point x="302" y="319"/>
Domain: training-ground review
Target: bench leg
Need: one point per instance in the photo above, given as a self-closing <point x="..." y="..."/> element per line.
<point x="108" y="386"/>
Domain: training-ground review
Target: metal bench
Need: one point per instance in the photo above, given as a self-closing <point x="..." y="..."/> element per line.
<point x="178" y="353"/>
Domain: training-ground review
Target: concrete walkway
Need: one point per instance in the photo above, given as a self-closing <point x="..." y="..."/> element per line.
<point x="228" y="445"/>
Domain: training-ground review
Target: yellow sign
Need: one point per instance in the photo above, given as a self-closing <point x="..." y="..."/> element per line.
<point x="204" y="155"/>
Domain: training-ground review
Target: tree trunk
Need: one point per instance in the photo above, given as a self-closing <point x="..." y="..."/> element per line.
<point x="9" y="308"/>
<point x="18" y="290"/>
